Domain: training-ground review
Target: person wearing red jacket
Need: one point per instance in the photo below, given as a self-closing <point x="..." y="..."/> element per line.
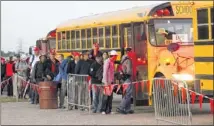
<point x="10" y="70"/>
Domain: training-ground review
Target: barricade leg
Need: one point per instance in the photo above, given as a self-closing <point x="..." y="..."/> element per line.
<point x="63" y="92"/>
<point x="79" y="95"/>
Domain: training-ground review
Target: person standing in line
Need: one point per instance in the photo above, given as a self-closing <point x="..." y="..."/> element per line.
<point x="71" y="70"/>
<point x="108" y="79"/>
<point x="83" y="68"/>
<point x="96" y="73"/>
<point x="34" y="58"/>
<point x="126" y="72"/>
<point x="72" y="64"/>
<point x="63" y="75"/>
<point x="32" y="61"/>
<point x="41" y="72"/>
<point x="10" y="70"/>
<point x="21" y="69"/>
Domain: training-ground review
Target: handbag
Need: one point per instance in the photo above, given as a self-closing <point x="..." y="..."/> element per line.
<point x="120" y="91"/>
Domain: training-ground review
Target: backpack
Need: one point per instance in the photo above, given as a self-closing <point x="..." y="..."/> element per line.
<point x="122" y="76"/>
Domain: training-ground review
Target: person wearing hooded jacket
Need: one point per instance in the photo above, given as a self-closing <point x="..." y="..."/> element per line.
<point x="96" y="72"/>
<point x="127" y="73"/>
<point x="41" y="72"/>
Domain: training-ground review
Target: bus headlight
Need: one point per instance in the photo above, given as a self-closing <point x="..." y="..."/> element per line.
<point x="184" y="77"/>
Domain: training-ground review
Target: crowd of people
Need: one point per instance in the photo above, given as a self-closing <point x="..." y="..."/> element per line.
<point x="100" y="66"/>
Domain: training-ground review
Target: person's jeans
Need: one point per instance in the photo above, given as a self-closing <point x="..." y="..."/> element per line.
<point x="97" y="99"/>
<point x="126" y="100"/>
<point x="62" y="93"/>
<point x="34" y="96"/>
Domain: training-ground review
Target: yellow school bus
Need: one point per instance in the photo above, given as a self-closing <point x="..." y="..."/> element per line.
<point x="203" y="25"/>
<point x="161" y="35"/>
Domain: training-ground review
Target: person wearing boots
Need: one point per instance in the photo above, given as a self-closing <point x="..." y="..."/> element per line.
<point x="126" y="75"/>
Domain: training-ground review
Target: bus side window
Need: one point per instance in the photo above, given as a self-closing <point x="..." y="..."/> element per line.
<point x="59" y="40"/>
<point x="101" y="37"/>
<point x="139" y="32"/>
<point x="94" y="35"/>
<point x="212" y="22"/>
<point x="63" y="40"/>
<point x="202" y="20"/>
<point x="83" y="39"/>
<point x="77" y="39"/>
<point x="68" y="38"/>
<point x="108" y="37"/>
<point x="115" y="36"/>
<point x="129" y="36"/>
<point x="89" y="38"/>
<point x="72" y="39"/>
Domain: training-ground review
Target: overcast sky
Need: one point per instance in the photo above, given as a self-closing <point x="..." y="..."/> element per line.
<point x="31" y="20"/>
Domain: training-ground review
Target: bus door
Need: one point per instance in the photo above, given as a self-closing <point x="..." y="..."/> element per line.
<point x="133" y="36"/>
<point x="140" y="48"/>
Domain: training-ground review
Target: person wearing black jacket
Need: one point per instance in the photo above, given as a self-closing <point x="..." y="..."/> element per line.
<point x="71" y="65"/>
<point x="96" y="72"/>
<point x="41" y="72"/>
<point x="83" y="65"/>
<point x="83" y="68"/>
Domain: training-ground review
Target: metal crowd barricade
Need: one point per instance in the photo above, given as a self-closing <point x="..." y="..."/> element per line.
<point x="78" y="92"/>
<point x="171" y="101"/>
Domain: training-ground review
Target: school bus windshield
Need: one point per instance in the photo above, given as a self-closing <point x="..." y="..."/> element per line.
<point x="165" y="31"/>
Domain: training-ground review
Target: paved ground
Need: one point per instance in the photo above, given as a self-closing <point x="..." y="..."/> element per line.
<point x="23" y="113"/>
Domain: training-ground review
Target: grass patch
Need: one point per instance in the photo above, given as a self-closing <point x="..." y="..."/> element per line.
<point x="10" y="99"/>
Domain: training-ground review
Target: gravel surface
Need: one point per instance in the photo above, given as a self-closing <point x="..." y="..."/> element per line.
<point x="23" y="113"/>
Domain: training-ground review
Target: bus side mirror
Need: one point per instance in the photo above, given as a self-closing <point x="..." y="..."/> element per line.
<point x="172" y="47"/>
<point x="30" y="51"/>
